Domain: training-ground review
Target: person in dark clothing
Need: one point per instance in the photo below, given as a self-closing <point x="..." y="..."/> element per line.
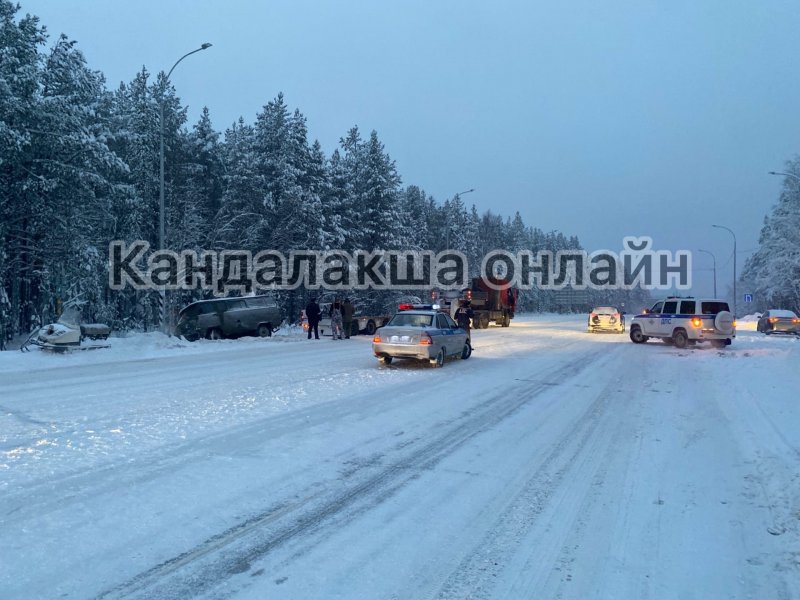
<point x="313" y="315"/>
<point x="464" y="316"/>
<point x="348" y="310"/>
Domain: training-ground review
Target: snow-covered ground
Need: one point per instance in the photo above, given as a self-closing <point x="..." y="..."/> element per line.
<point x="552" y="464"/>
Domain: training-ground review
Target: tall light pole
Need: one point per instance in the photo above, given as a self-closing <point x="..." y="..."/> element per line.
<point x="456" y="197"/>
<point x="161" y="235"/>
<point x="734" y="265"/>
<point x="715" y="269"/>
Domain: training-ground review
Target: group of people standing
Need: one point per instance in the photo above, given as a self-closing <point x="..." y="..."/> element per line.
<point x="341" y="315"/>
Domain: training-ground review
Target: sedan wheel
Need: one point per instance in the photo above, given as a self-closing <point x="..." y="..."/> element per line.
<point x="265" y="330"/>
<point x="385" y="360"/>
<point x="438" y="362"/>
<point x="466" y="352"/>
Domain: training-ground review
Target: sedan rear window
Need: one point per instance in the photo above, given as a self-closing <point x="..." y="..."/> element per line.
<point x="406" y="320"/>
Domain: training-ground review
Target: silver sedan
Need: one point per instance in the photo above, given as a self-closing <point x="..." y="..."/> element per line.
<point x="423" y="335"/>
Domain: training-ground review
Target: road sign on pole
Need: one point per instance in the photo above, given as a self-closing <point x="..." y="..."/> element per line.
<point x="748" y="297"/>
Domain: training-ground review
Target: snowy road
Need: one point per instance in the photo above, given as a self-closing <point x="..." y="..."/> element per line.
<point x="552" y="464"/>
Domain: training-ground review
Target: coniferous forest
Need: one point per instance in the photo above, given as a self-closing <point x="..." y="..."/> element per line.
<point x="79" y="167"/>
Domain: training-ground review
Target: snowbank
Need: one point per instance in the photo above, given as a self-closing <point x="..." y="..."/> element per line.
<point x="136" y="346"/>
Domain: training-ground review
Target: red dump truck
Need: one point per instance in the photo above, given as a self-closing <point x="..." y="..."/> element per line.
<point x="496" y="302"/>
<point x="488" y="304"/>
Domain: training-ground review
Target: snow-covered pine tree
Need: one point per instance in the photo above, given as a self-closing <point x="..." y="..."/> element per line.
<point x="774" y="269"/>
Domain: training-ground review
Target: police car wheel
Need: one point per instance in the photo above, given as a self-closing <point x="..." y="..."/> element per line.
<point x="466" y="352"/>
<point x="680" y="339"/>
<point x="636" y="335"/>
<point x="438" y="362"/>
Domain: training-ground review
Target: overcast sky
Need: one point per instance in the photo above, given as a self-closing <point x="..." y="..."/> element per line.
<point x="599" y="119"/>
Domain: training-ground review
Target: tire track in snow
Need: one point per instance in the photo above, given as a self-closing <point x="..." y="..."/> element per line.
<point x="480" y="569"/>
<point x="232" y="552"/>
<point x="37" y="497"/>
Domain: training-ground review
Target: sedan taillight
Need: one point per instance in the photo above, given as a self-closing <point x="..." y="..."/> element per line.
<point x="425" y="339"/>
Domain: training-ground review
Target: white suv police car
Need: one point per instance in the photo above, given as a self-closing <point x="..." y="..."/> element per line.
<point x="685" y="321"/>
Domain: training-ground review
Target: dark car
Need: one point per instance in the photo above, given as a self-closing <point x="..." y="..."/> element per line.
<point x="779" y="321"/>
<point x="229" y="317"/>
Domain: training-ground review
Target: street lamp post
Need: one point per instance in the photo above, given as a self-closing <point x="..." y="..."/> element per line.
<point x="734" y="265"/>
<point x="792" y="175"/>
<point x="456" y="197"/>
<point x="715" y="269"/>
<point x="161" y="234"/>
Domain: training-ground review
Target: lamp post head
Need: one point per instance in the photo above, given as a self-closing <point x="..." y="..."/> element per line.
<point x="204" y="46"/>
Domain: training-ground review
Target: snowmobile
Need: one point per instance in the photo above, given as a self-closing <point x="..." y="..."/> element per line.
<point x="69" y="334"/>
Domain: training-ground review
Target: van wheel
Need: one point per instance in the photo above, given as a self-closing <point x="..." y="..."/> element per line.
<point x="718" y="343"/>
<point x="214" y="334"/>
<point x="636" y="335"/>
<point x="354" y="330"/>
<point x="680" y="339"/>
<point x="265" y="330"/>
<point x="371" y="327"/>
<point x="467" y="351"/>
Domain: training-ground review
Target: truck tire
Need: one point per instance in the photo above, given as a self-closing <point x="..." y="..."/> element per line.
<point x="506" y="319"/>
<point x="484" y="320"/>
<point x="370" y="329"/>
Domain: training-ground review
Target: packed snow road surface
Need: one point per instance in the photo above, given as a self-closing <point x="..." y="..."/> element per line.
<point x="552" y="464"/>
